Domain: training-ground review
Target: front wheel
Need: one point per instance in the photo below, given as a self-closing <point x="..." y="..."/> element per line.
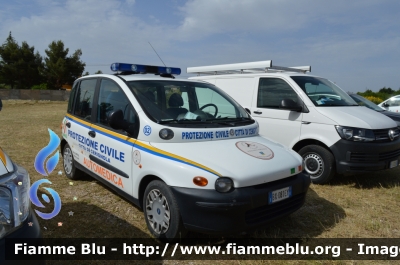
<point x="319" y="163"/>
<point x="161" y="212"/>
<point x="69" y="164"/>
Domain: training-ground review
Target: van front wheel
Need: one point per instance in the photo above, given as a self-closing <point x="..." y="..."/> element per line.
<point x="161" y="212"/>
<point x="319" y="163"/>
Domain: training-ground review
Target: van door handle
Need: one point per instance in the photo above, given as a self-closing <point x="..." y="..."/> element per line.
<point x="257" y="112"/>
<point x="305" y="122"/>
<point x="68" y="124"/>
<point x="92" y="134"/>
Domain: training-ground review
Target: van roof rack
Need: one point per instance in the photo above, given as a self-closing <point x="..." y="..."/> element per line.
<point x="242" y="68"/>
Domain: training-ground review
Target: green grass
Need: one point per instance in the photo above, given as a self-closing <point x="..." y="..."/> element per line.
<point x="359" y="206"/>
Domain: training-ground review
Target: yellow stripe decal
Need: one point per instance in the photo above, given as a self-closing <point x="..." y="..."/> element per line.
<point x="3" y="157"/>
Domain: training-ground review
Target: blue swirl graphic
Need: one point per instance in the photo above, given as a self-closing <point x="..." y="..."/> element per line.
<point x="35" y="200"/>
<point x="45" y="152"/>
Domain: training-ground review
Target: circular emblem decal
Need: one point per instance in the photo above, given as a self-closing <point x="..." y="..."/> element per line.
<point x="147" y="130"/>
<point x="256" y="150"/>
<point x="231" y="132"/>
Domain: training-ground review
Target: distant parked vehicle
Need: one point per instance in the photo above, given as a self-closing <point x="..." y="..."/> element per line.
<point x="369" y="104"/>
<point x="391" y="104"/>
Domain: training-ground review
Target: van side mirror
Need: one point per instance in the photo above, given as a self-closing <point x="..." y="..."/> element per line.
<point x="289" y="104"/>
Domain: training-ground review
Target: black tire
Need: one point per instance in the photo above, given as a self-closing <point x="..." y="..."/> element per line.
<point x="69" y="164"/>
<point x="161" y="212"/>
<point x="319" y="163"/>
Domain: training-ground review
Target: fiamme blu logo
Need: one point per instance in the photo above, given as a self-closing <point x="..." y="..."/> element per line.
<point x="45" y="163"/>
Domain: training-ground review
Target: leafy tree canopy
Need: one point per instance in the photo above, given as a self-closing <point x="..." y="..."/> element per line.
<point x="20" y="66"/>
<point x="59" y="68"/>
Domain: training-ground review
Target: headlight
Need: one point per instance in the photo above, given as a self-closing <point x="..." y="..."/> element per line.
<point x="14" y="199"/>
<point x="355" y="134"/>
<point x="223" y="184"/>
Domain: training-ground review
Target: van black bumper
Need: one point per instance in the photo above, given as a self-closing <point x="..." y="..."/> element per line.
<point x="358" y="157"/>
<point x="241" y="210"/>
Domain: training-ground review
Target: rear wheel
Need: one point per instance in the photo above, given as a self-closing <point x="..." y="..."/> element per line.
<point x="161" y="212"/>
<point x="319" y="163"/>
<point x="69" y="164"/>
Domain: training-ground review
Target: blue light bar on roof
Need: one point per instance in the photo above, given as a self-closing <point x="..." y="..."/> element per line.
<point x="138" y="68"/>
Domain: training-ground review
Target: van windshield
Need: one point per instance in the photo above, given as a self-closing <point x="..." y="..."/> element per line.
<point x="188" y="103"/>
<point x="365" y="102"/>
<point x="322" y="92"/>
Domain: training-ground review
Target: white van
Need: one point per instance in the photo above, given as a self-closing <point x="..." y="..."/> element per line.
<point x="310" y="115"/>
<point x="181" y="150"/>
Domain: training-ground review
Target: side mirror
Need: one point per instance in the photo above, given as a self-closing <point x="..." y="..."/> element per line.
<point x="386" y="104"/>
<point x="289" y="104"/>
<point x="117" y="122"/>
<point x="247" y="110"/>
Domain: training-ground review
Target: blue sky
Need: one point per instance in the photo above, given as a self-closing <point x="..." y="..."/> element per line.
<point x="353" y="43"/>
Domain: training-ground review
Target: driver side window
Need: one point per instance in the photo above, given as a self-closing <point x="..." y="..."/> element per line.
<point x="271" y="91"/>
<point x="112" y="98"/>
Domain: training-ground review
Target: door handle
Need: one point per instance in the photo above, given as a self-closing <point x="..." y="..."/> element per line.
<point x="68" y="124"/>
<point x="257" y="112"/>
<point x="92" y="134"/>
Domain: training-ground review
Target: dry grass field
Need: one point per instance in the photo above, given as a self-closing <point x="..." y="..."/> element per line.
<point x="359" y="206"/>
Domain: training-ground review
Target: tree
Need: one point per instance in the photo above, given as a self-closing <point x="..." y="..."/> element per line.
<point x="20" y="66"/>
<point x="98" y="72"/>
<point x="386" y="90"/>
<point x="59" y="69"/>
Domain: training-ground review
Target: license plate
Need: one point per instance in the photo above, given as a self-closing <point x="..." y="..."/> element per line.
<point x="279" y="195"/>
<point x="394" y="163"/>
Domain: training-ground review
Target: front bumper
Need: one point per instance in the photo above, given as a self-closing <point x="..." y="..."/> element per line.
<point x="241" y="210"/>
<point x="358" y="157"/>
<point x="25" y="231"/>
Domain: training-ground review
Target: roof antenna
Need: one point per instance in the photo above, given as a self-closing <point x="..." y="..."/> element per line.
<point x="157" y="54"/>
<point x="163" y="75"/>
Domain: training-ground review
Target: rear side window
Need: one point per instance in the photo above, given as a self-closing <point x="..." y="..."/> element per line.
<point x="271" y="91"/>
<point x="84" y="98"/>
<point x="71" y="97"/>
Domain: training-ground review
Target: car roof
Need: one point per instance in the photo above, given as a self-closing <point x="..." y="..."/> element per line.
<point x="134" y="77"/>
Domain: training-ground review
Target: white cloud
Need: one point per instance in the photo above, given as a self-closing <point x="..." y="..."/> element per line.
<point x="339" y="37"/>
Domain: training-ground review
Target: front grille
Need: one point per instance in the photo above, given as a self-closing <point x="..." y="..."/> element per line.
<point x="275" y="210"/>
<point x="371" y="157"/>
<point x="389" y="155"/>
<point x="383" y="135"/>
